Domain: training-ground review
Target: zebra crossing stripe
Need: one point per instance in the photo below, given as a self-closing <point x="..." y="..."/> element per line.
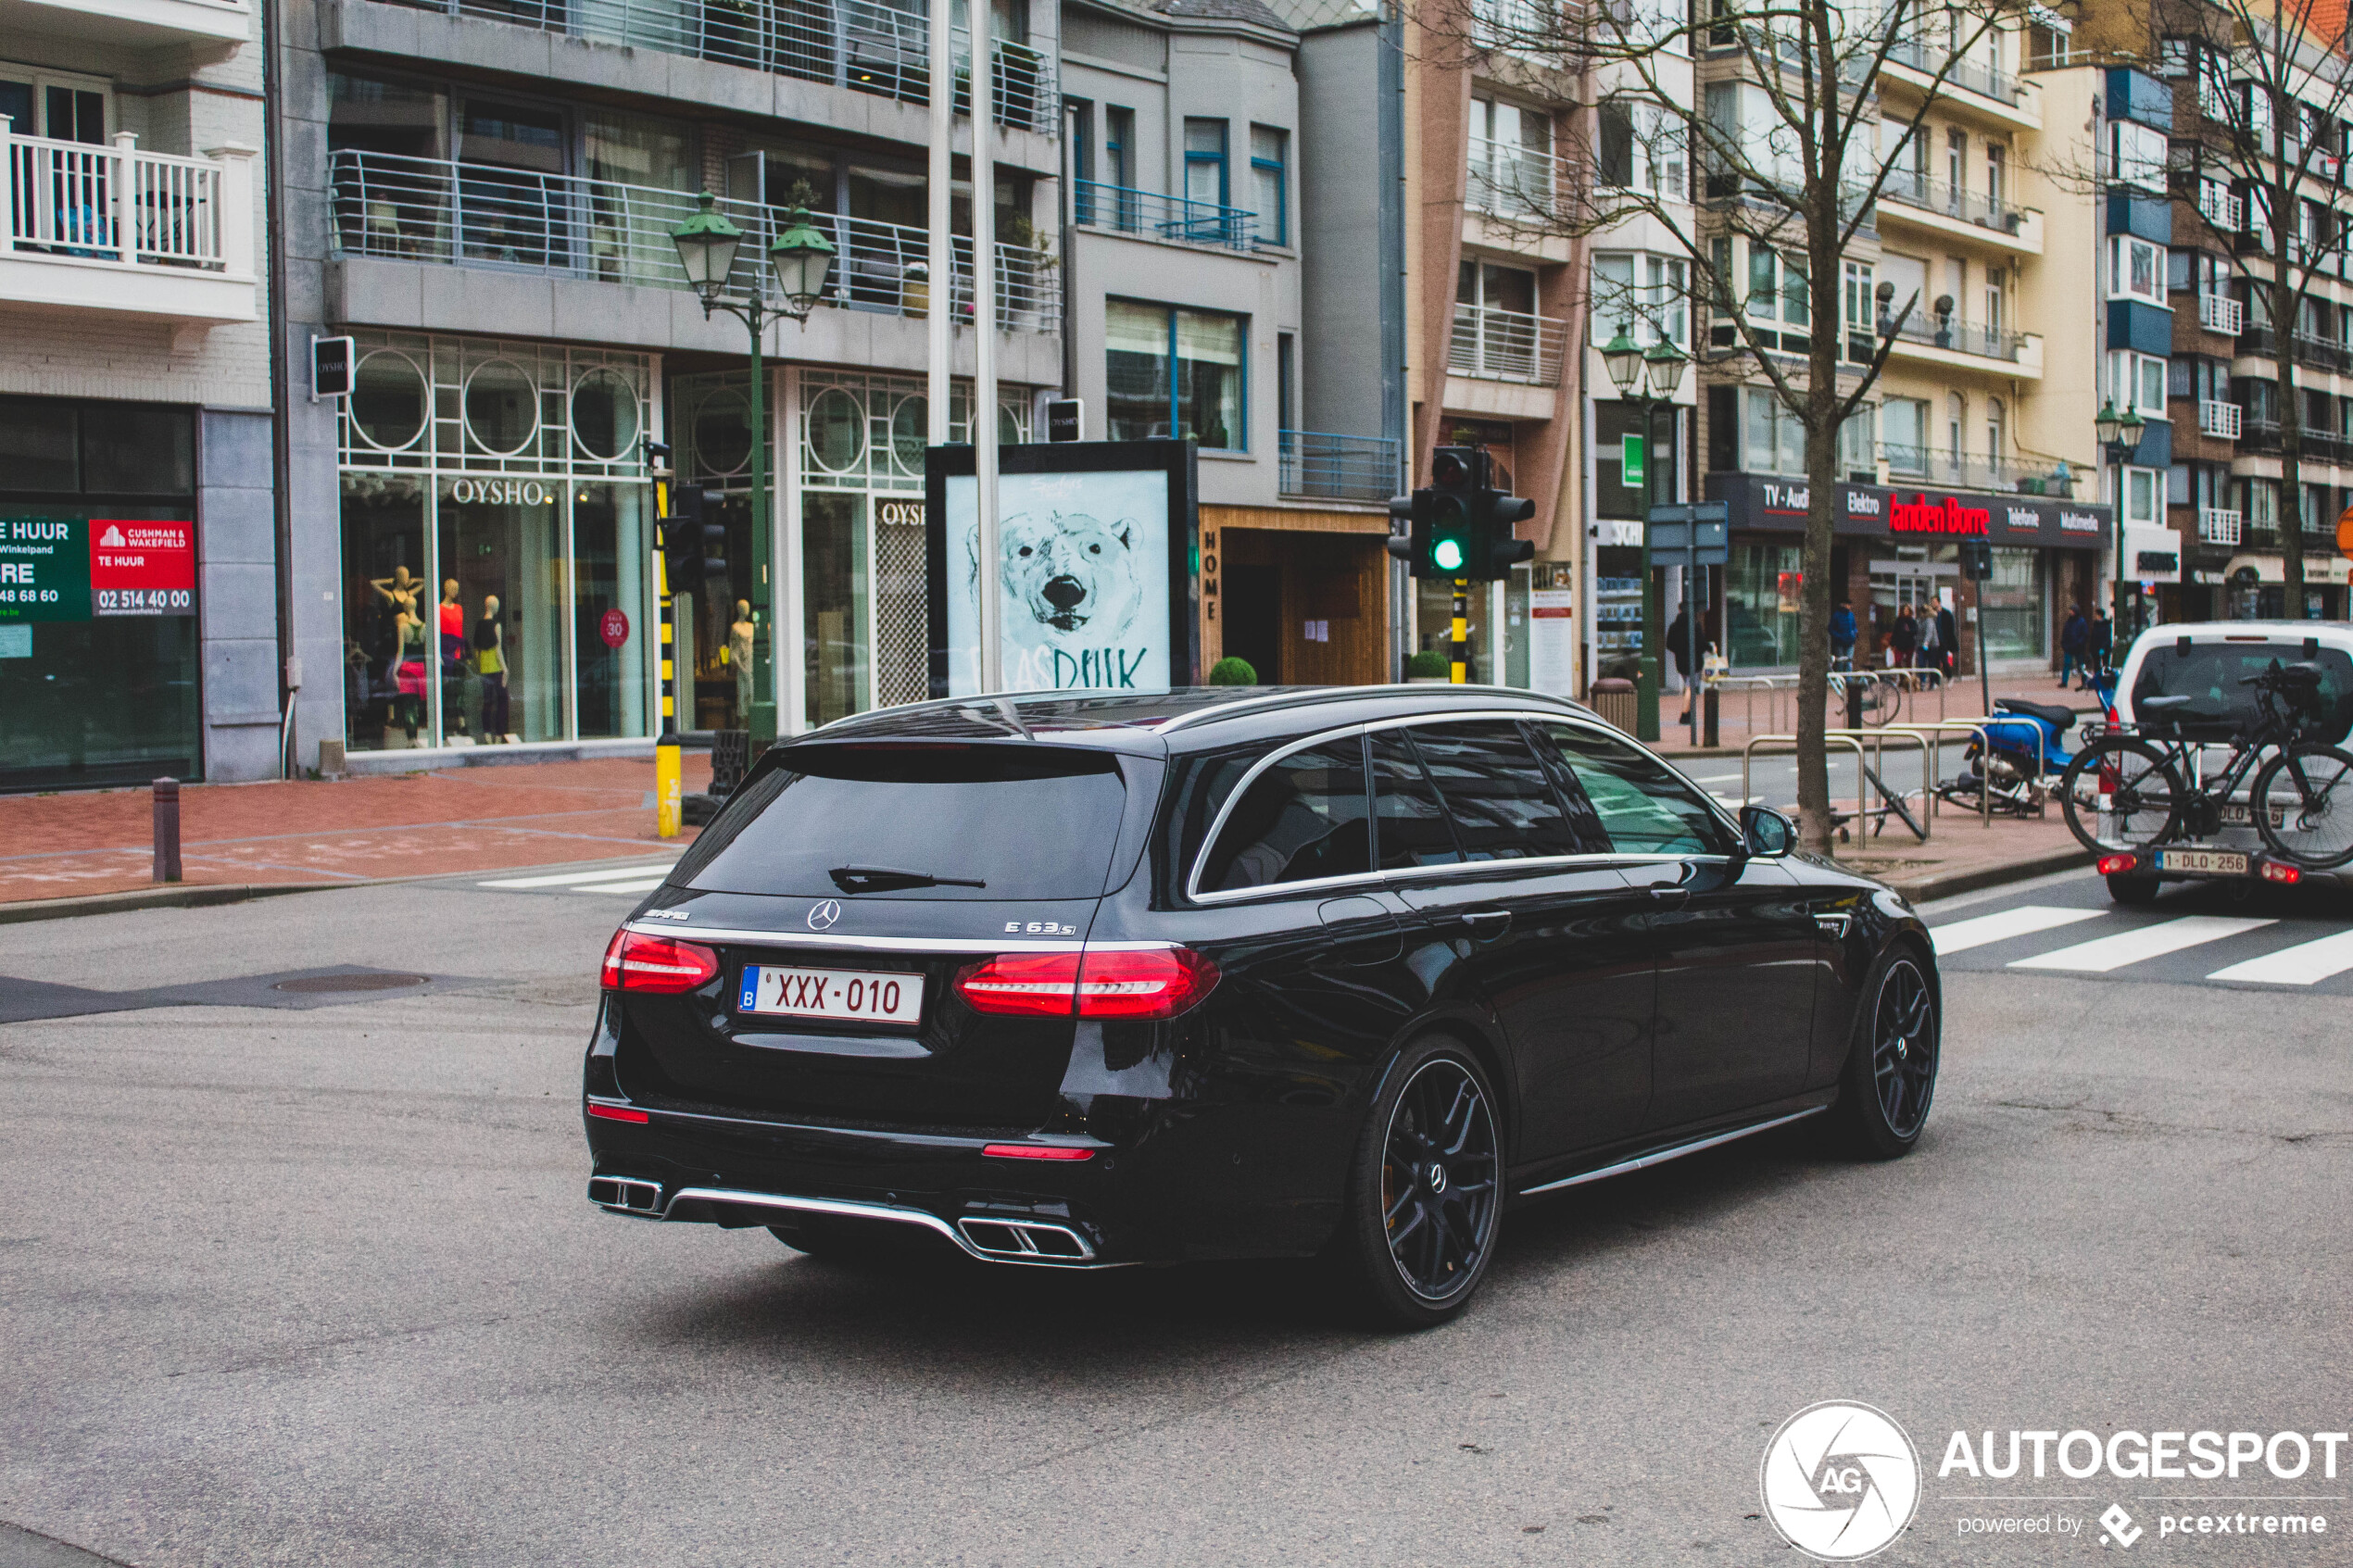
<point x="2307" y="963"/>
<point x="1960" y="935"/>
<point x="2105" y="953"/>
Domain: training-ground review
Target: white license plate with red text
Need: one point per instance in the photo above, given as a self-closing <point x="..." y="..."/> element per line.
<point x="850" y="996"/>
<point x="2207" y="863"/>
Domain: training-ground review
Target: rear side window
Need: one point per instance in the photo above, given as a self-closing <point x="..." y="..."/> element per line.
<point x="1644" y="808"/>
<point x="1301" y="819"/>
<point x="1413" y="830"/>
<point x="2210" y="673"/>
<point x="1503" y="807"/>
<point x="1025" y="822"/>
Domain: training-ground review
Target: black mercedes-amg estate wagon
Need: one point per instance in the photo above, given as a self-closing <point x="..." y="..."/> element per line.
<point x="1088" y="980"/>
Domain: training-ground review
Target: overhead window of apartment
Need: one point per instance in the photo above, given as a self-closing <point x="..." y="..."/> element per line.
<point x="1772" y="438"/>
<point x="2136" y="381"/>
<point x="1174" y="372"/>
<point x="2141" y="491"/>
<point x="1998" y="436"/>
<point x="1997" y="175"/>
<point x="1957" y="160"/>
<point x="1511" y="166"/>
<point x="1665" y="291"/>
<point x="62" y="108"/>
<point x="1269" y="160"/>
<point x="365" y="115"/>
<point x="1119" y="145"/>
<point x="2137" y="155"/>
<point x="1903" y="428"/>
<point x="1956" y="420"/>
<point x="1491" y="287"/>
<point x="1617" y="166"/>
<point x="1907" y="277"/>
<point x="1205" y="179"/>
<point x="2136" y="270"/>
<point x="644" y="150"/>
<point x="1862" y="325"/>
<point x="1616" y="304"/>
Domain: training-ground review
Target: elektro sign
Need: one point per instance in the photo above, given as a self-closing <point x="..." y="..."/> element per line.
<point x="67" y="568"/>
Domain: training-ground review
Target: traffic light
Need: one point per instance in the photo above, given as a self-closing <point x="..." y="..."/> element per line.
<point x="1977" y="560"/>
<point x="1458" y="526"/>
<point x="693" y="539"/>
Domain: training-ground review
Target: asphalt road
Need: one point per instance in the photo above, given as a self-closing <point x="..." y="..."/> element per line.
<point x="316" y="1284"/>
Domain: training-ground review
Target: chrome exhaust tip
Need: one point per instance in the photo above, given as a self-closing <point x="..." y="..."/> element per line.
<point x="620" y="1194"/>
<point x="1027" y="1241"/>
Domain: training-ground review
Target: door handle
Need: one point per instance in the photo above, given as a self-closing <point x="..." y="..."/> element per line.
<point x="1833" y="925"/>
<point x="1669" y="897"/>
<point x="1486" y="924"/>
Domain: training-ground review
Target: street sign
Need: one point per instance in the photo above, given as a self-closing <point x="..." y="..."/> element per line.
<point x="1631" y="459"/>
<point x="1065" y="419"/>
<point x="1690" y="535"/>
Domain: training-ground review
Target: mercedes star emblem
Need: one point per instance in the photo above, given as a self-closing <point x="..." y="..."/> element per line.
<point x="822" y="913"/>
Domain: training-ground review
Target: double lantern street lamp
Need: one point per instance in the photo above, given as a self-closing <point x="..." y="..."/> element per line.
<point x="2120" y="436"/>
<point x="1648" y="378"/>
<point x="800" y="259"/>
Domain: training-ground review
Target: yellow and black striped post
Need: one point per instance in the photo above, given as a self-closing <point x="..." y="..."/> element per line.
<point x="1462" y="631"/>
<point x="668" y="786"/>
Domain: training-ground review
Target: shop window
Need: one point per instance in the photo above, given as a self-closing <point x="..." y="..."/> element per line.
<point x="2012" y="607"/>
<point x="1761" y="585"/>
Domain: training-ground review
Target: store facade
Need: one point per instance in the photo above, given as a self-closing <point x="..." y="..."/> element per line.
<point x="1898" y="549"/>
<point x="497" y="516"/>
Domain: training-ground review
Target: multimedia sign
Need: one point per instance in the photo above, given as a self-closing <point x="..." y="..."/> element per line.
<point x="73" y="569"/>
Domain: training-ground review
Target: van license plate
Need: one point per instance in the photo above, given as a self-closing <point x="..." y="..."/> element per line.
<point x="2205" y="862"/>
<point x="851" y="996"/>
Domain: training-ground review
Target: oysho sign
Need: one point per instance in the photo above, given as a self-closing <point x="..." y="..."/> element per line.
<point x="500" y="492"/>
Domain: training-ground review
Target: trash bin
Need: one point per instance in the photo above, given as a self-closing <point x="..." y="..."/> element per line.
<point x="1614" y="700"/>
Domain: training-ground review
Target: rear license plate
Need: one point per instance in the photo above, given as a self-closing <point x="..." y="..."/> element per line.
<point x="851" y="996"/>
<point x="2207" y="863"/>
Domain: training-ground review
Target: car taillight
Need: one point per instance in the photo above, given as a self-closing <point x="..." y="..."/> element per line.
<point x="2286" y="876"/>
<point x="637" y="963"/>
<point x="2116" y="865"/>
<point x="1114" y="984"/>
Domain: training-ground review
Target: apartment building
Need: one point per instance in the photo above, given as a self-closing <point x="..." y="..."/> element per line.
<point x="138" y="585"/>
<point x="1192" y="236"/>
<point x="1969" y="269"/>
<point x="482" y="193"/>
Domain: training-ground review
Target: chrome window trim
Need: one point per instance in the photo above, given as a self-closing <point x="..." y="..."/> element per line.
<point x="1194" y="895"/>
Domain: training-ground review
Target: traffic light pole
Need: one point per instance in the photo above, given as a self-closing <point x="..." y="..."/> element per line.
<point x="668" y="787"/>
<point x="1650" y="673"/>
<point x="1462" y="631"/>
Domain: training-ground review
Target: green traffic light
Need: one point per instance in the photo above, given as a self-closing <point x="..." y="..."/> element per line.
<point x="1448" y="554"/>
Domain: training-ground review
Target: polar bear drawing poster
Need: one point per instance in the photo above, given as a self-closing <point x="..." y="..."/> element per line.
<point x="1081" y="576"/>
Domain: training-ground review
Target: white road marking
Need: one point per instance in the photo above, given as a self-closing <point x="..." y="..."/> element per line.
<point x="1960" y="935"/>
<point x="2106" y="953"/>
<point x="647" y="886"/>
<point x="582" y="879"/>
<point x="2307" y="963"/>
<point x="1715" y="778"/>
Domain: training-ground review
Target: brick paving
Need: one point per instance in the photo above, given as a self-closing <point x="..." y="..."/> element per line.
<point x="451" y="821"/>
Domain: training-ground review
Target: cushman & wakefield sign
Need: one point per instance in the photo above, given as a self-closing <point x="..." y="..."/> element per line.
<point x="1754" y="501"/>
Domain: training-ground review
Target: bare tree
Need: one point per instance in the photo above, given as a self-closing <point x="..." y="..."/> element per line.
<point x="1783" y="153"/>
<point x="2260" y="163"/>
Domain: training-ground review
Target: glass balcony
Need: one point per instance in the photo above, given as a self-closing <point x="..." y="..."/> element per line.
<point x="1908" y="188"/>
<point x="1338" y="468"/>
<point x="476" y="215"/>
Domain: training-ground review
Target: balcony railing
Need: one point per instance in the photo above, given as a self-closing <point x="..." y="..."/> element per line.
<point x="109" y="203"/>
<point x="1122" y="210"/>
<point x="2217" y="419"/>
<point x="2218" y="525"/>
<point x="2221" y="313"/>
<point x="1505" y="345"/>
<point x="1959" y="336"/>
<point x="2261" y="435"/>
<point x="476" y="215"/>
<point x="2321" y="353"/>
<point x="1967" y="74"/>
<point x="1510" y="180"/>
<point x="1915" y="465"/>
<point x="1907" y="188"/>
<point x="883" y="49"/>
<point x="1338" y="468"/>
<point x="2223" y="210"/>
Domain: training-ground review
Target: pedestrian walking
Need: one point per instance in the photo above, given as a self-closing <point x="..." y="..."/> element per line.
<point x="2103" y="643"/>
<point x="1904" y="637"/>
<point x="2075" y="638"/>
<point x="1842" y="636"/>
<point x="1930" y="655"/>
<point x="1679" y="647"/>
<point x="1948" y="637"/>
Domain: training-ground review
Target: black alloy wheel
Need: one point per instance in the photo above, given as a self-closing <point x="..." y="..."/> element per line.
<point x="1890" y="1079"/>
<point x="1426" y="1198"/>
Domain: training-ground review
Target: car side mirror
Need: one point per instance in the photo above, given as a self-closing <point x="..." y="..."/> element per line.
<point x="1766" y="832"/>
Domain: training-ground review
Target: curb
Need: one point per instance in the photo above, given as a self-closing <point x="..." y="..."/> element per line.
<point x="186" y="895"/>
<point x="1947" y="885"/>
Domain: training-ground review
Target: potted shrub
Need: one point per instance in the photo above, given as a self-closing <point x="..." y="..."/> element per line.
<point x="1429" y="667"/>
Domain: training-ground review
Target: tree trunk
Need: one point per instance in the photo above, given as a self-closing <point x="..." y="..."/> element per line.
<point x="1814" y="828"/>
<point x="2291" y="514"/>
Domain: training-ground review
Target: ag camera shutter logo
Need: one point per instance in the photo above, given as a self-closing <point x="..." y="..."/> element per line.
<point x="1840" y="1481"/>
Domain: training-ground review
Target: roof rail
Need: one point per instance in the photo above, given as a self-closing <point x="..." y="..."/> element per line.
<point x="1292" y="697"/>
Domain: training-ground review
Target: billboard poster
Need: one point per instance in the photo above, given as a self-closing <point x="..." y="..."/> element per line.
<point x="70" y="569"/>
<point x="1092" y="571"/>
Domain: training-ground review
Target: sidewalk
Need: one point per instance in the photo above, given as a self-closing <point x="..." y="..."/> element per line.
<point x="454" y="821"/>
<point x="1775" y="712"/>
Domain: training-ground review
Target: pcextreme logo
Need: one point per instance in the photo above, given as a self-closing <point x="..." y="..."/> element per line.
<point x="1840" y="1481"/>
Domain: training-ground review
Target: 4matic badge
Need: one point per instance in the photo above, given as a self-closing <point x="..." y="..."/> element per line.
<point x="1840" y="1481"/>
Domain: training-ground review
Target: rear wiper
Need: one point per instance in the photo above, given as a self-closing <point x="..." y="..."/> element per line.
<point x="886" y="879"/>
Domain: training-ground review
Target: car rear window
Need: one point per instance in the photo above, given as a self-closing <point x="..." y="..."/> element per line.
<point x="1026" y="821"/>
<point x="2210" y="673"/>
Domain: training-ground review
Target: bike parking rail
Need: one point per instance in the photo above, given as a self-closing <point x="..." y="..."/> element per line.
<point x="1866" y="774"/>
<point x="1933" y="734"/>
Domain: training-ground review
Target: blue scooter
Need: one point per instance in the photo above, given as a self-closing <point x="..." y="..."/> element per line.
<point x="2029" y="748"/>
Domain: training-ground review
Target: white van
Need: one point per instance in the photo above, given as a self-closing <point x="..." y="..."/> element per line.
<point x="2206" y="660"/>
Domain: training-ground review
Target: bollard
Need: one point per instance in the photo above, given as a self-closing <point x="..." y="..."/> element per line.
<point x="1708" y="721"/>
<point x="166" y="830"/>
<point x="1854" y="704"/>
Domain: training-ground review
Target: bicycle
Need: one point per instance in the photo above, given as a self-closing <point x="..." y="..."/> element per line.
<point x="1880" y="698"/>
<point x="2132" y="785"/>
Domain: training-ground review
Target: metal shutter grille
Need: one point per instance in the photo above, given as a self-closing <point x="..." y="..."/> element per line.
<point x="902" y="631"/>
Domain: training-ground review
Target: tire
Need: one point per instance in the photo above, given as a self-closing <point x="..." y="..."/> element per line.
<point x="2145" y="797"/>
<point x="2134" y="888"/>
<point x="1423" y="1205"/>
<point x="1889" y="1082"/>
<point x="2314" y="833"/>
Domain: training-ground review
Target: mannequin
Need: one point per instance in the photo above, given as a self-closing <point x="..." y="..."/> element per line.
<point x="490" y="659"/>
<point x="739" y="653"/>
<point x="408" y="670"/>
<point x="399" y="590"/>
<point x="453" y="659"/>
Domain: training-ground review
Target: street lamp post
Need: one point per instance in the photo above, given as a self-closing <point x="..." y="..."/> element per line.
<point x="799" y="259"/>
<point x="2120" y="437"/>
<point x="1648" y="378"/>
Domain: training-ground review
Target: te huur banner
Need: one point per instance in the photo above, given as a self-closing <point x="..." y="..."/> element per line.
<point x="66" y="568"/>
<point x="1095" y="570"/>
